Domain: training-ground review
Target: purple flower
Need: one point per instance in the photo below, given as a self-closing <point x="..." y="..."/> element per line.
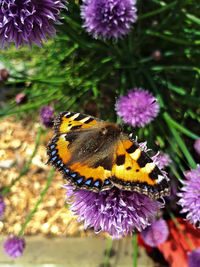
<point x="194" y="258"/>
<point x="108" y="18"/>
<point x="46" y="116"/>
<point x="114" y="211"/>
<point x="14" y="246"/>
<point x="138" y="108"/>
<point x="197" y="146"/>
<point x="190" y="196"/>
<point x="28" y="21"/>
<point x="2" y="205"/>
<point x="162" y="160"/>
<point x="156" y="233"/>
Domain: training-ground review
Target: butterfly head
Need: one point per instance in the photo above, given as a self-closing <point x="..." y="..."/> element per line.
<point x="110" y="130"/>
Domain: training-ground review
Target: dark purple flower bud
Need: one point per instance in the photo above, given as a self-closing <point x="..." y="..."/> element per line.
<point x="28" y="22"/>
<point x="108" y="18"/>
<point x="156" y="55"/>
<point x="47" y="116"/>
<point x="156" y="234"/>
<point x="2" y="205"/>
<point x="21" y="98"/>
<point x="4" y="75"/>
<point x="14" y="246"/>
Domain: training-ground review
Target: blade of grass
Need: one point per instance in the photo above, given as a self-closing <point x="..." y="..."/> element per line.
<point x="182" y="146"/>
<point x="157" y="11"/>
<point x="108" y="250"/>
<point x="180" y="127"/>
<point x="135" y="250"/>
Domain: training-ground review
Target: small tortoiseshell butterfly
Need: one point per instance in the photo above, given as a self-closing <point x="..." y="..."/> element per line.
<point x="96" y="155"/>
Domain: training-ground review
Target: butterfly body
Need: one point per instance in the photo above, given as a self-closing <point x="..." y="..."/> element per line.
<point x="96" y="155"/>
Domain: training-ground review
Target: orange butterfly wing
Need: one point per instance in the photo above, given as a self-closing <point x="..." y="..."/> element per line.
<point x="134" y="170"/>
<point x="69" y="127"/>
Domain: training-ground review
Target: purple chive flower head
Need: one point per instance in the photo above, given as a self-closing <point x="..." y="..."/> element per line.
<point x="156" y="234"/>
<point x="2" y="205"/>
<point x="197" y="146"/>
<point x="28" y="21"/>
<point x="194" y="258"/>
<point x="114" y="211"/>
<point x="47" y="116"/>
<point x="14" y="246"/>
<point x="162" y="160"/>
<point x="138" y="108"/>
<point x="190" y="196"/>
<point x="108" y="18"/>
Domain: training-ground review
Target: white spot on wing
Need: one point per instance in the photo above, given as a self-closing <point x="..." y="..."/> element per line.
<point x="67" y="114"/>
<point x="74" y="116"/>
<point x="160" y="178"/>
<point x="85" y="119"/>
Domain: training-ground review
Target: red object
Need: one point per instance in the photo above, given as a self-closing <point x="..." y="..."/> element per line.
<point x="175" y="249"/>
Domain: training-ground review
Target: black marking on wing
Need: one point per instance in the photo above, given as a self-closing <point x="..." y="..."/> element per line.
<point x="76" y="127"/>
<point x="143" y="159"/>
<point x="120" y="160"/>
<point x="80" y="117"/>
<point x="154" y="173"/>
<point x="132" y="148"/>
<point x="106" y="163"/>
<point x="69" y="115"/>
<point x="154" y="192"/>
<point x="89" y="120"/>
<point x="71" y="136"/>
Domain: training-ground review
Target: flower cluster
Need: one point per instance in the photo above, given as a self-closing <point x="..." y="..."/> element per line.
<point x="108" y="18"/>
<point x="28" y="22"/>
<point x="14" y="246"/>
<point x="190" y="196"/>
<point x="138" y="108"/>
<point x="114" y="211"/>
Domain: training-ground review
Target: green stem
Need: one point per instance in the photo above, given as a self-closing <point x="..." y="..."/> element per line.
<point x="108" y="250"/>
<point x="182" y="146"/>
<point x="135" y="250"/>
<point x="37" y="204"/>
<point x="27" y="166"/>
<point x="180" y="127"/>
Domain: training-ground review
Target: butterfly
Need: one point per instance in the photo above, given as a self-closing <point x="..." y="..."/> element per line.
<point x="96" y="155"/>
